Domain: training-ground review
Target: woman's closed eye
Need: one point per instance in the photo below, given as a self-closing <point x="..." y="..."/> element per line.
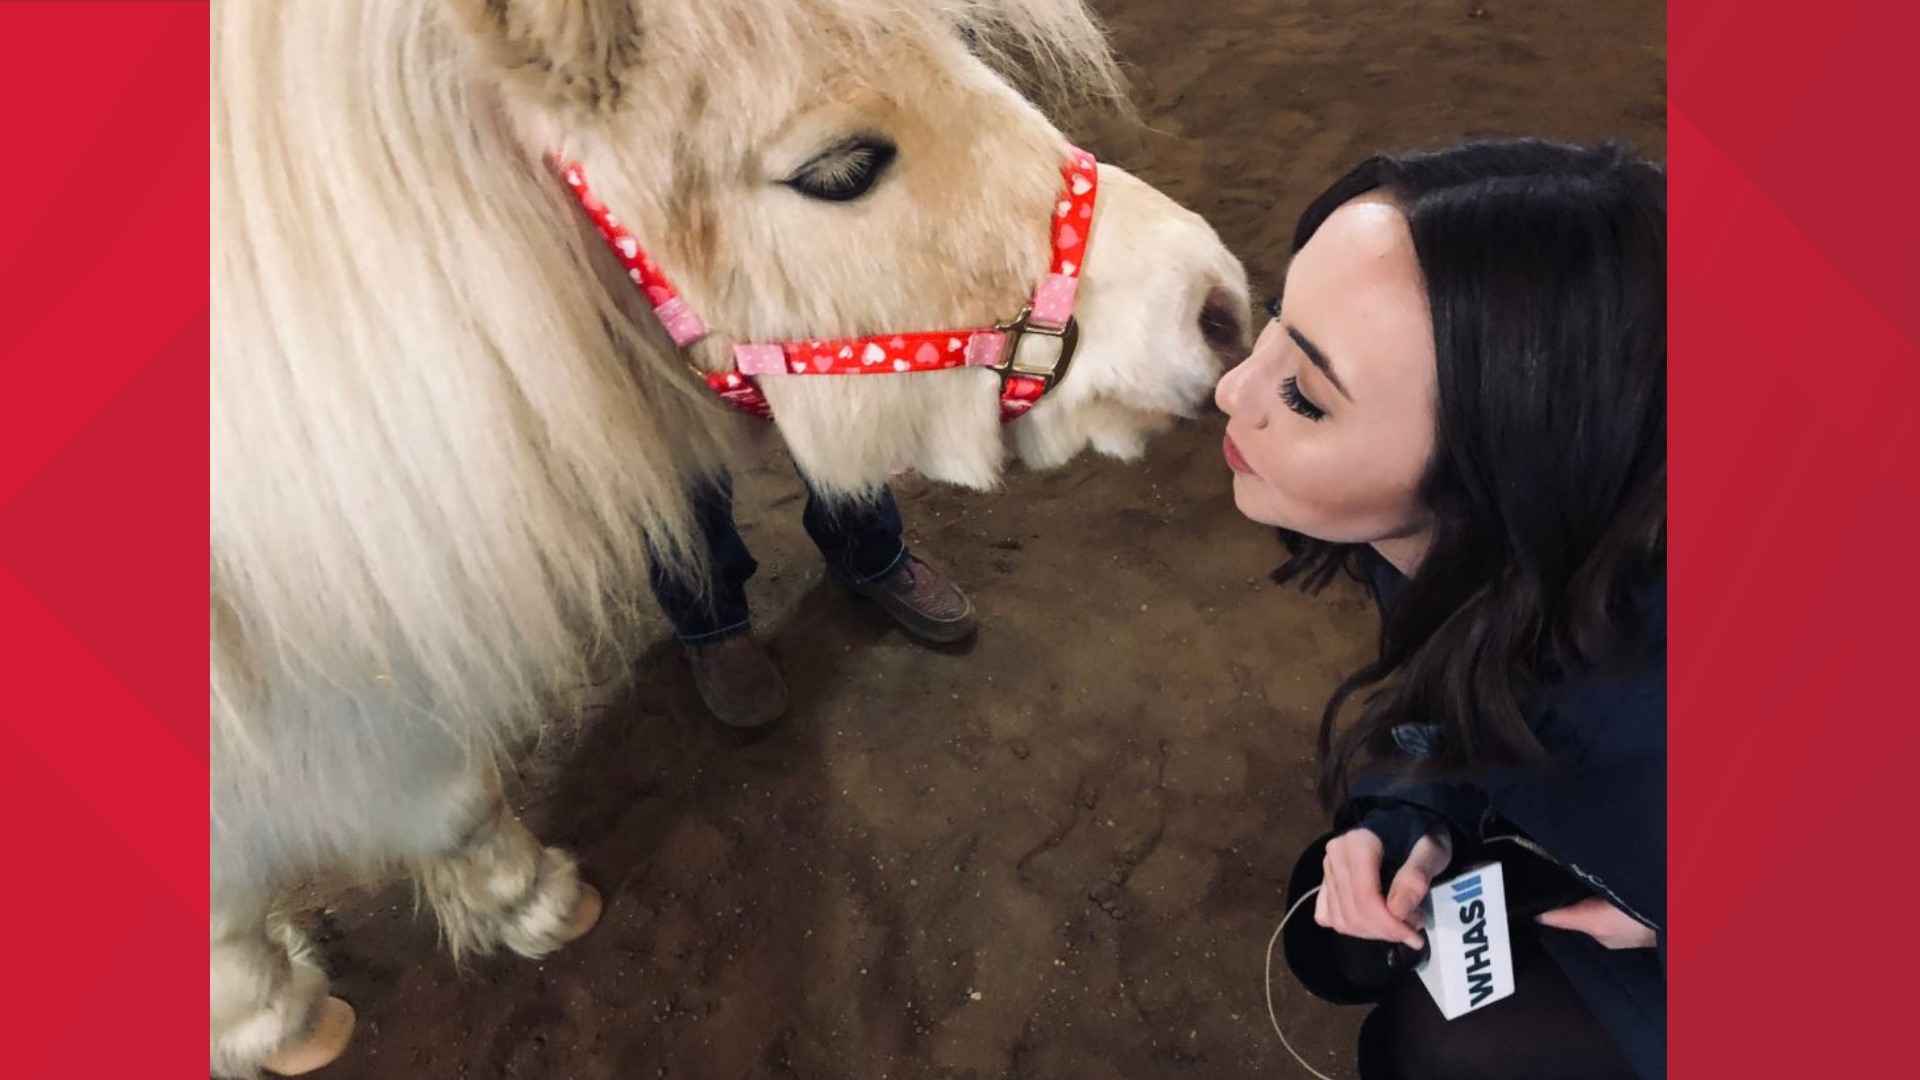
<point x="1298" y="402"/>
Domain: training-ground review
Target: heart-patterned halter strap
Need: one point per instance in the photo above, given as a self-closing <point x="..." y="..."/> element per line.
<point x="1050" y="314"/>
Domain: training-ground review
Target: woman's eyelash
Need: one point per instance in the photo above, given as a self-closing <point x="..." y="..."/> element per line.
<point x="1295" y="400"/>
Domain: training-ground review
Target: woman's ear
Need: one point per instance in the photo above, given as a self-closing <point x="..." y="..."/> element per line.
<point x="560" y="54"/>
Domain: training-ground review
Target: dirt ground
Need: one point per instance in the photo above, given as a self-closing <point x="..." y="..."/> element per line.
<point x="1059" y="853"/>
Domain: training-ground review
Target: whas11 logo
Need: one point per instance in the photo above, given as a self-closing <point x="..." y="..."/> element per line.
<point x="1469" y="961"/>
<point x="1468" y="894"/>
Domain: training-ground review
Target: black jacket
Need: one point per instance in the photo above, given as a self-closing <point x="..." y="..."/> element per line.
<point x="1600" y="811"/>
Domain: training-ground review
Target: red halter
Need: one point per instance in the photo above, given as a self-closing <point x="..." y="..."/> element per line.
<point x="1050" y="314"/>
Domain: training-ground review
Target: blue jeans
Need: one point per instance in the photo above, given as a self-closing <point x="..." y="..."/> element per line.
<point x="860" y="540"/>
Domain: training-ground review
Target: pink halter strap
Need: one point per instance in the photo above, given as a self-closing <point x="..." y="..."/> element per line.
<point x="996" y="347"/>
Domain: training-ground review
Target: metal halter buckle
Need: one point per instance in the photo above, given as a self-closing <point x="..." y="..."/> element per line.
<point x="1049" y="374"/>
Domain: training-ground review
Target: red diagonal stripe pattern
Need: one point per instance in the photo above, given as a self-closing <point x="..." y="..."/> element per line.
<point x="1795" y="378"/>
<point x="103" y="337"/>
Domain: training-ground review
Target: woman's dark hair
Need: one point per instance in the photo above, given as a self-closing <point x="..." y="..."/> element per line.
<point x="1545" y="267"/>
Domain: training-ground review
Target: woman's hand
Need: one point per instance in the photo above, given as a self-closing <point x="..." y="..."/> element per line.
<point x="1349" y="901"/>
<point x="1602" y="922"/>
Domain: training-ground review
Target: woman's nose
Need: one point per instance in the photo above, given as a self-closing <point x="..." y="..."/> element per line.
<point x="1227" y="392"/>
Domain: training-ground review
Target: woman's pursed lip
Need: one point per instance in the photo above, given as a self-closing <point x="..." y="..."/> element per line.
<point x="1235" y="459"/>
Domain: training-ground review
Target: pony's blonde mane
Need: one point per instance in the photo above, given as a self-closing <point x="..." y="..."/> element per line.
<point x="1054" y="51"/>
<point x="445" y="433"/>
<point x="443" y="438"/>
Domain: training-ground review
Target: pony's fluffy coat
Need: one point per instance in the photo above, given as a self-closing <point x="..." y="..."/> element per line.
<point x="447" y="436"/>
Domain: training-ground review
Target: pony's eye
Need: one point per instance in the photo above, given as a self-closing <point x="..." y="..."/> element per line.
<point x="1273" y="306"/>
<point x="845" y="172"/>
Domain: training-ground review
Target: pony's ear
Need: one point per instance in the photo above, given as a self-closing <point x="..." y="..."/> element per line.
<point x="563" y="54"/>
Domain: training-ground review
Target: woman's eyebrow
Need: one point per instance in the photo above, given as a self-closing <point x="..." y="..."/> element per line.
<point x="1319" y="360"/>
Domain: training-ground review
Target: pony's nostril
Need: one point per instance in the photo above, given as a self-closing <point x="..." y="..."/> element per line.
<point x="1223" y="324"/>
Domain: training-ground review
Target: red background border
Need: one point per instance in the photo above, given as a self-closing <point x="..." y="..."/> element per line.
<point x="1794" y="140"/>
<point x="103" y="501"/>
<point x="1795" y="157"/>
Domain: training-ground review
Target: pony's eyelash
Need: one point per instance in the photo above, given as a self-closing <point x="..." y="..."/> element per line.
<point x="845" y="172"/>
<point x="1295" y="400"/>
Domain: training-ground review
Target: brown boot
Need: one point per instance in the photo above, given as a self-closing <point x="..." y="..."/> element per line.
<point x="738" y="682"/>
<point x="925" y="604"/>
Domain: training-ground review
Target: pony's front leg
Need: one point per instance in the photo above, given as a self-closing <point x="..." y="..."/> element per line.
<point x="497" y="885"/>
<point x="271" y="1009"/>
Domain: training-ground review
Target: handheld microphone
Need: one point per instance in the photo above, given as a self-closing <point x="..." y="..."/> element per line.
<point x="1469" y="958"/>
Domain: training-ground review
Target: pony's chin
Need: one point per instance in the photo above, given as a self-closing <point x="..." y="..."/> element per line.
<point x="1048" y="440"/>
<point x="1130" y="444"/>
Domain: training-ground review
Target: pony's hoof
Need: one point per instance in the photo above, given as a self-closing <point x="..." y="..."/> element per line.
<point x="328" y="1039"/>
<point x="586" y="913"/>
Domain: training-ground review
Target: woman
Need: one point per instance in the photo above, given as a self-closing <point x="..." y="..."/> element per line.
<point x="1462" y="399"/>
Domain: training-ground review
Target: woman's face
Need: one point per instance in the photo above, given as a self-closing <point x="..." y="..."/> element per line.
<point x="1331" y="419"/>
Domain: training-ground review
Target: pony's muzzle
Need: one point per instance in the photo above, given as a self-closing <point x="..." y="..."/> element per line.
<point x="1223" y="324"/>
